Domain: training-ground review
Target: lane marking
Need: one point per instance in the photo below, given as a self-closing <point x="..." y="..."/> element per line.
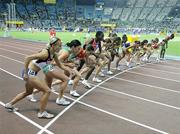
<point x="12" y="59"/>
<point x="115" y="115"/>
<point x="25" y="45"/>
<point x="168" y="66"/>
<point x="29" y="120"/>
<point x="31" y="42"/>
<point x="153" y="76"/>
<point x="14" y="52"/>
<point x="73" y="103"/>
<point x="161" y="70"/>
<point x="101" y="111"/>
<point x="18" y="48"/>
<point x="141" y="98"/>
<point x="162" y="88"/>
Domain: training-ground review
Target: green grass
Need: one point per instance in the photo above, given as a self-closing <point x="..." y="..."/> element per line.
<point x="173" y="49"/>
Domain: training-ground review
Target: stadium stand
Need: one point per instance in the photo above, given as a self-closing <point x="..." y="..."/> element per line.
<point x="75" y="13"/>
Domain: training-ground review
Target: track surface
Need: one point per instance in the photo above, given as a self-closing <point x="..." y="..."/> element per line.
<point x="141" y="100"/>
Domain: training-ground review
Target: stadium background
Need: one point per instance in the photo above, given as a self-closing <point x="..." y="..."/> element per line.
<point x="79" y="19"/>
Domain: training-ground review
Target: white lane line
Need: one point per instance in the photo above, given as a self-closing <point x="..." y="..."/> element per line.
<point x="153" y="76"/>
<point x="73" y="103"/>
<point x="139" y="83"/>
<point x="120" y="72"/>
<point x="166" y="89"/>
<point x="41" y="42"/>
<point x="176" y="73"/>
<point x="29" y="42"/>
<point x="11" y="73"/>
<point x="28" y="120"/>
<point x="162" y="88"/>
<point x="168" y="63"/>
<point x="13" y="52"/>
<point x="170" y="106"/>
<point x="18" y="48"/>
<point x="21" y="44"/>
<point x="26" y="45"/>
<point x="141" y="98"/>
<point x="12" y="59"/>
<point x="101" y="111"/>
<point x="115" y="115"/>
<point x="129" y="120"/>
<point x="167" y="66"/>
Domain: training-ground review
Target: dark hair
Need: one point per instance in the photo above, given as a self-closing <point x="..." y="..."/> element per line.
<point x="99" y="36"/>
<point x="114" y="35"/>
<point x="149" y="44"/>
<point x="84" y="46"/>
<point x="172" y="36"/>
<point x="124" y="38"/>
<point x="117" y="39"/>
<point x="99" y="33"/>
<point x="137" y="42"/>
<point x="144" y="41"/>
<point x="74" y="43"/>
<point x="156" y="40"/>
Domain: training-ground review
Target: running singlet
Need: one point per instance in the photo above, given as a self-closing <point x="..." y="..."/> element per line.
<point x="155" y="45"/>
<point x="94" y="44"/>
<point x="45" y="64"/>
<point x="81" y="54"/>
<point x="71" y="55"/>
<point x="126" y="44"/>
<point x="66" y="48"/>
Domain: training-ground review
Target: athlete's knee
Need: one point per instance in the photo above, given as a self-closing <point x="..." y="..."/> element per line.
<point x="78" y="75"/>
<point x="28" y="93"/>
<point x="100" y="64"/>
<point x="48" y="91"/>
<point x="65" y="78"/>
<point x="90" y="65"/>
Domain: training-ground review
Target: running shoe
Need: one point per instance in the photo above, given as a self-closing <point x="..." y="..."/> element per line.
<point x="45" y="115"/>
<point x="70" y="82"/>
<point x="118" y="68"/>
<point x="74" y="93"/>
<point x="85" y="82"/>
<point x="101" y="74"/>
<point x="31" y="98"/>
<point x="109" y="72"/>
<point x="62" y="101"/>
<point x="97" y="80"/>
<point x="11" y="108"/>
